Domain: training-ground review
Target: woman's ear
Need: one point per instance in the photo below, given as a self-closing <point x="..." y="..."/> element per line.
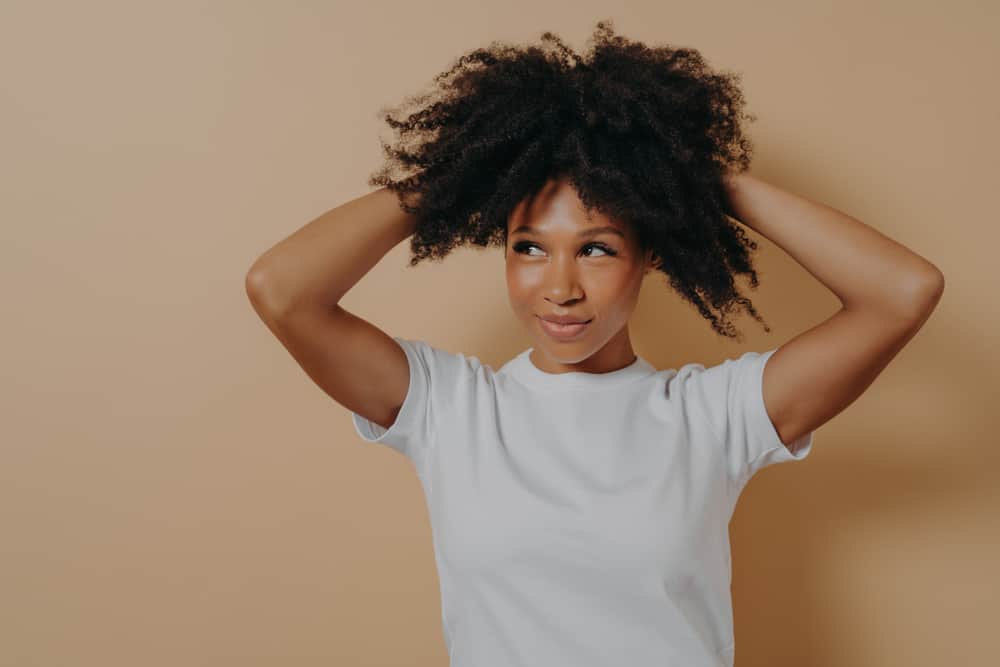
<point x="654" y="262"/>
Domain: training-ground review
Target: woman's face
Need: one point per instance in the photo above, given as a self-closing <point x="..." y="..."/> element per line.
<point x="560" y="263"/>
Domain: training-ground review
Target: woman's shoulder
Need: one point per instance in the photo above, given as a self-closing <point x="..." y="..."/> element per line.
<point x="444" y="364"/>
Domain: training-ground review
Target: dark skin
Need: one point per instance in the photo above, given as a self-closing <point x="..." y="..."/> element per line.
<point x="553" y="270"/>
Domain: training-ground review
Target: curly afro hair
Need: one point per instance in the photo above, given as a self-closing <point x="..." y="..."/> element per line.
<point x="645" y="135"/>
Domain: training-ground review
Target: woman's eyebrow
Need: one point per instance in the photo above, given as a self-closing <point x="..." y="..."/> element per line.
<point x="590" y="231"/>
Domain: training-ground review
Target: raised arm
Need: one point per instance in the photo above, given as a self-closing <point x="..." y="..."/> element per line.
<point x="887" y="292"/>
<point x="317" y="264"/>
<point x="296" y="286"/>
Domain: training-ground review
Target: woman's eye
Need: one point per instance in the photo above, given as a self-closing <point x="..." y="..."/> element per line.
<point x="522" y="247"/>
<point x="606" y="250"/>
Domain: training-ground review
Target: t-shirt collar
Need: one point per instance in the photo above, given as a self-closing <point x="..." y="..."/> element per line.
<point x="524" y="371"/>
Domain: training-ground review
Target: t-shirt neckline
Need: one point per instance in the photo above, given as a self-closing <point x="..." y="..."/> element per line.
<point x="525" y="371"/>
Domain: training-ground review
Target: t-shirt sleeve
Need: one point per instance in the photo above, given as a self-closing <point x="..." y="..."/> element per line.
<point x="730" y="396"/>
<point x="432" y="372"/>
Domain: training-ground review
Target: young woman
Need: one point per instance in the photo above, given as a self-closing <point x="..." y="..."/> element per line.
<point x="579" y="497"/>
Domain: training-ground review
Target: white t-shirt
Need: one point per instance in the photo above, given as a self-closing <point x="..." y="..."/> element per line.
<point x="581" y="519"/>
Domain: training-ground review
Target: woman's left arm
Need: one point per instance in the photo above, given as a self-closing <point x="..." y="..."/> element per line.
<point x="887" y="292"/>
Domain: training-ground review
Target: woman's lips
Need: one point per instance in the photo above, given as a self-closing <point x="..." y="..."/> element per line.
<point x="563" y="331"/>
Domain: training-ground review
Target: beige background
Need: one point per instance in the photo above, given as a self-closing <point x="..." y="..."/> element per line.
<point x="174" y="490"/>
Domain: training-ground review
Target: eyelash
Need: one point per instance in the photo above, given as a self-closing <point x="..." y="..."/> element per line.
<point x="519" y="247"/>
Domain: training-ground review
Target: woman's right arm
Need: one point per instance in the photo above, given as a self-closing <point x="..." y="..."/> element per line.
<point x="296" y="286"/>
<point x="315" y="266"/>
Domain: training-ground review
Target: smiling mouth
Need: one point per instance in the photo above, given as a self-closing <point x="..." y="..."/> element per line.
<point x="563" y="331"/>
